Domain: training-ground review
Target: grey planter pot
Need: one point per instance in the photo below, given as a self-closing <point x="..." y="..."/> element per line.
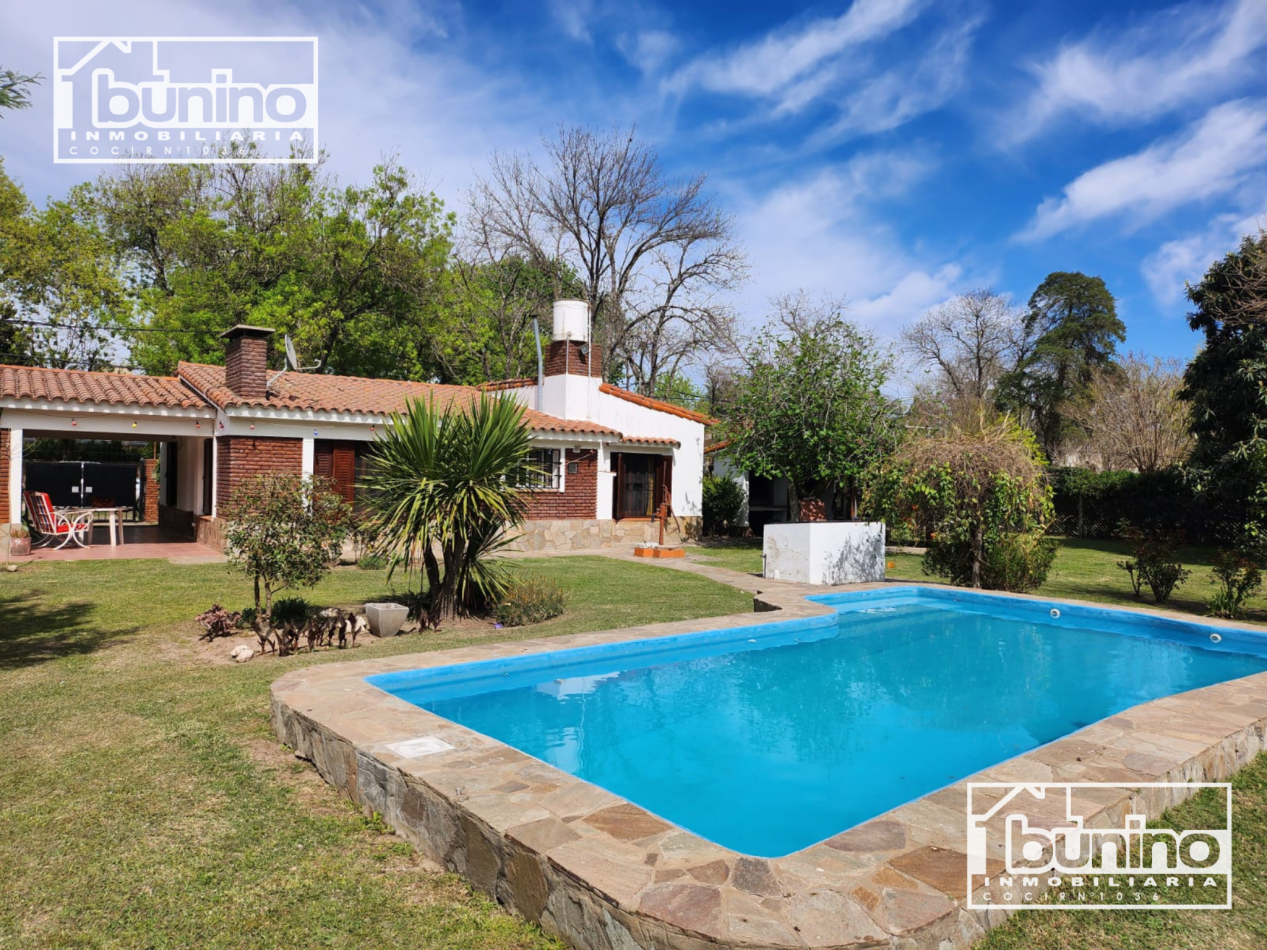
<point x="386" y="619"/>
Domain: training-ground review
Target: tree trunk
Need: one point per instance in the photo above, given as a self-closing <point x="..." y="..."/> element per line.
<point x="978" y="552"/>
<point x="432" y="568"/>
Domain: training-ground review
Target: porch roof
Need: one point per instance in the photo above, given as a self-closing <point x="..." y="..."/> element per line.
<point x="105" y="389"/>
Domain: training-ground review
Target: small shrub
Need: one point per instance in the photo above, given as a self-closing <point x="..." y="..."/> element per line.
<point x="290" y="610"/>
<point x="1237" y="577"/>
<point x="19" y="531"/>
<point x="1153" y="562"/>
<point x="530" y="599"/>
<point x="218" y="622"/>
<point x="246" y="619"/>
<point x="723" y="501"/>
<point x="1018" y="562"/>
<point x="371" y="562"/>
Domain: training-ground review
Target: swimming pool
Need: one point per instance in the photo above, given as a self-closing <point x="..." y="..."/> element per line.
<point x="768" y="739"/>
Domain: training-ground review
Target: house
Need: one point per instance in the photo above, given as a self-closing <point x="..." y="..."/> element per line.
<point x="611" y="457"/>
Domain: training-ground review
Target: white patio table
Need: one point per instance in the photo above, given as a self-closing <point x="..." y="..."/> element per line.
<point x="115" y="516"/>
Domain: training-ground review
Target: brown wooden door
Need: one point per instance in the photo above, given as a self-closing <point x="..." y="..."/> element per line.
<point x="336" y="461"/>
<point x="642" y="483"/>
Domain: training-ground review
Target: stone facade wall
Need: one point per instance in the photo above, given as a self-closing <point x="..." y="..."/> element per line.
<point x="5" y="454"/>
<point x="149" y="486"/>
<point x="241" y="457"/>
<point x="591" y="534"/>
<point x="564" y="356"/>
<point x="579" y="499"/>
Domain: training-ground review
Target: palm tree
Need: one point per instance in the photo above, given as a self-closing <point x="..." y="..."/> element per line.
<point x="442" y="490"/>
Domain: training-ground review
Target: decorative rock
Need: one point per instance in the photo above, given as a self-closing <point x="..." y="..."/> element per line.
<point x="385" y="620"/>
<point x="241" y="653"/>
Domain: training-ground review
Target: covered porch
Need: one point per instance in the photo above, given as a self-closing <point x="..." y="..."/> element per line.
<point x="156" y="493"/>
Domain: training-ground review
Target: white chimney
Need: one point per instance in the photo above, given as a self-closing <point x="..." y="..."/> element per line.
<point x="571" y="320"/>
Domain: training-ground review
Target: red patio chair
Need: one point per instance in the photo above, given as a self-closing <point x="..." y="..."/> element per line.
<point x="51" y="525"/>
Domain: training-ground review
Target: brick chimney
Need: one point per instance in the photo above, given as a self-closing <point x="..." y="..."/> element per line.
<point x="246" y="361"/>
<point x="570" y="348"/>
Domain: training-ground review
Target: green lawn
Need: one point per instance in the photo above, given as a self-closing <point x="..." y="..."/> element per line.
<point x="1084" y="570"/>
<point x="144" y="801"/>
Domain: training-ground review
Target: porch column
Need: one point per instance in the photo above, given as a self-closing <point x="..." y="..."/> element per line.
<point x="307" y="458"/>
<point x="15" y="476"/>
<point x="215" y="475"/>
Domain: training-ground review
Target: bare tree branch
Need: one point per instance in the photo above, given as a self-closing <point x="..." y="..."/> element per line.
<point x="655" y="255"/>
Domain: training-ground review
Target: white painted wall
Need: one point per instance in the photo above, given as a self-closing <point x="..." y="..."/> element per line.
<point x="825" y="552"/>
<point x="189" y="475"/>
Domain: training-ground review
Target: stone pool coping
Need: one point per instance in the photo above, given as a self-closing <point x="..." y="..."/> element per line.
<point x="604" y="874"/>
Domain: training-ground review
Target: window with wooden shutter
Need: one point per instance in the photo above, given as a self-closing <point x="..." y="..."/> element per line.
<point x="336" y="461"/>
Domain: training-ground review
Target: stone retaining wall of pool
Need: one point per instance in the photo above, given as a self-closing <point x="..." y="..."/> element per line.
<point x="604" y="874"/>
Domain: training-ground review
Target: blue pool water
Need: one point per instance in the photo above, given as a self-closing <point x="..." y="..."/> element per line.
<point x="767" y="740"/>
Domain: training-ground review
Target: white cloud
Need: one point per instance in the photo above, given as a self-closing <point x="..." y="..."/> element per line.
<point x="648" y="49"/>
<point x="783" y="59"/>
<point x="1210" y="157"/>
<point x="1177" y="56"/>
<point x="819" y="234"/>
<point x="573" y="17"/>
<point x="1187" y="258"/>
<point x="898" y="95"/>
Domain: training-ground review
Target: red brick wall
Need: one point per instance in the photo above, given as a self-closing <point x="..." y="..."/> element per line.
<point x="246" y="366"/>
<point x="579" y="499"/>
<point x="5" y="515"/>
<point x="240" y="457"/>
<point x="149" y="484"/>
<point x="558" y="359"/>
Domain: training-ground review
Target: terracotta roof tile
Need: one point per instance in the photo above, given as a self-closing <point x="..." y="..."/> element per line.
<point x="319" y="392"/>
<point x="501" y="384"/>
<point x="657" y="404"/>
<point x="716" y="447"/>
<point x="641" y="440"/>
<point x="110" y="389"/>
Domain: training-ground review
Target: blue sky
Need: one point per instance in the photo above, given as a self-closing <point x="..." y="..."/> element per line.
<point x="891" y="151"/>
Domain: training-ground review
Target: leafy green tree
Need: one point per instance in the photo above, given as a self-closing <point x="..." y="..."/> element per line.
<point x="284" y="532"/>
<point x="1225" y="385"/>
<point x="1070" y="331"/>
<point x="978" y="493"/>
<point x="356" y="275"/>
<point x="723" y="503"/>
<point x="678" y="389"/>
<point x="62" y="298"/>
<point x="442" y="489"/>
<point x="485" y="331"/>
<point x="811" y="407"/>
<point x="15" y="90"/>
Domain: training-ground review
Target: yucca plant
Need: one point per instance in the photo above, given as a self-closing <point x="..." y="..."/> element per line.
<point x="442" y="490"/>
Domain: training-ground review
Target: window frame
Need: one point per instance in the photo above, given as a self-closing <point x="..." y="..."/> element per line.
<point x="541" y="477"/>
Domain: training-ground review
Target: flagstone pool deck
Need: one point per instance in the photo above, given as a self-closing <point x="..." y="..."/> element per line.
<point x="604" y="874"/>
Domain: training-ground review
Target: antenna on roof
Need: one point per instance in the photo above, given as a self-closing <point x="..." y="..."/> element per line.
<point x="292" y="361"/>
